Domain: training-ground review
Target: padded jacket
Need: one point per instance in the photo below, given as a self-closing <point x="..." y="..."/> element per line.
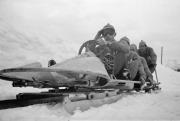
<point x="149" y="55"/>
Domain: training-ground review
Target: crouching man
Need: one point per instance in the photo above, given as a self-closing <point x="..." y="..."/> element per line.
<point x="149" y="55"/>
<point x="149" y="76"/>
<point x="134" y="65"/>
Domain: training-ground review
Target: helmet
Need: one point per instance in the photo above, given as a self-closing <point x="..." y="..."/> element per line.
<point x="142" y="44"/>
<point x="51" y="62"/>
<point x="108" y="28"/>
<point x="133" y="47"/>
<point x="125" y="39"/>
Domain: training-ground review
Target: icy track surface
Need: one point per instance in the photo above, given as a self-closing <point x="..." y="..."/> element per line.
<point x="161" y="106"/>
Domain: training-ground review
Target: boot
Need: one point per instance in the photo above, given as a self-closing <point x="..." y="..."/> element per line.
<point x="126" y="74"/>
<point x="143" y="86"/>
<point x="152" y="82"/>
<point x="143" y="83"/>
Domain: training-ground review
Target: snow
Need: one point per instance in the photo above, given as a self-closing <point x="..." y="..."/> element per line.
<point x="174" y="64"/>
<point x="156" y="106"/>
<point x="163" y="105"/>
<point x="30" y="32"/>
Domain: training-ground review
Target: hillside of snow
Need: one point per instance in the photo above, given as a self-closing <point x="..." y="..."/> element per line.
<point x="18" y="47"/>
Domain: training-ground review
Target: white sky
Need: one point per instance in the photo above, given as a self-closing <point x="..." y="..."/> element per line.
<point x="155" y="21"/>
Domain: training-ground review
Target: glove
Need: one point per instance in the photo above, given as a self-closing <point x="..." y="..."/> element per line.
<point x="126" y="73"/>
<point x="142" y="80"/>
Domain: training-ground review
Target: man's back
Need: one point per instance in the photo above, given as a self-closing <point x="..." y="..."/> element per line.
<point x="149" y="55"/>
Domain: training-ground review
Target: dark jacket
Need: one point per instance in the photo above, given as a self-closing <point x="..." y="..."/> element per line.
<point x="149" y="55"/>
<point x="120" y="50"/>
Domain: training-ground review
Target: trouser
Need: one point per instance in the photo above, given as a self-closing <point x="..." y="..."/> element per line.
<point x="149" y="76"/>
<point x="137" y="71"/>
<point x="139" y="78"/>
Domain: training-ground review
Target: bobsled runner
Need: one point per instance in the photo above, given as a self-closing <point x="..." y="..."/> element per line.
<point x="78" y="79"/>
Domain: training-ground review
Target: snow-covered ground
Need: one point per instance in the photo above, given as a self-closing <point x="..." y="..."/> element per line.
<point x="38" y="31"/>
<point x="174" y="64"/>
<point x="156" y="106"/>
<point x="160" y="106"/>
